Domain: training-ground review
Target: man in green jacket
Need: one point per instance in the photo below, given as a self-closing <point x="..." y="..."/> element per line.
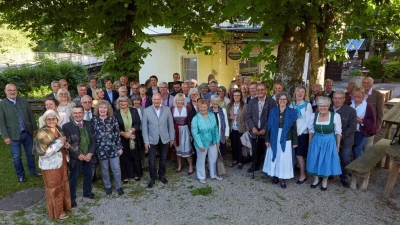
<point x="17" y="126"/>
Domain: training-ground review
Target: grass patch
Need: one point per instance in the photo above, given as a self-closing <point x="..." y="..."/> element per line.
<point x="204" y="191"/>
<point x="305" y="216"/>
<point x="8" y="176"/>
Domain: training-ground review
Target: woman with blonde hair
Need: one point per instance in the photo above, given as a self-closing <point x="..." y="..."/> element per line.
<point x="109" y="146"/>
<point x="180" y="114"/>
<point x="98" y="95"/>
<point x="66" y="103"/>
<point x="129" y="124"/>
<point x="206" y="141"/>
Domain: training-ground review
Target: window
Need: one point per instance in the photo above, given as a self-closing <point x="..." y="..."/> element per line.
<point x="248" y="68"/>
<point x="189" y="68"/>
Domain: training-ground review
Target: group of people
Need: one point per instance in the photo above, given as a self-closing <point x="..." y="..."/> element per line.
<point x="116" y="129"/>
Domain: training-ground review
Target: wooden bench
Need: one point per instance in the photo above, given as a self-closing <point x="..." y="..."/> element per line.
<point x="37" y="106"/>
<point x="361" y="167"/>
<point x="392" y="102"/>
<point x="394" y="153"/>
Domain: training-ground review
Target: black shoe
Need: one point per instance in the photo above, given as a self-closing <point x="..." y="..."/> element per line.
<point x="120" y="191"/>
<point x="164" y="180"/>
<point x="301" y="181"/>
<point x="240" y="166"/>
<point x="331" y="177"/>
<point x="108" y="191"/>
<point x="324" y="188"/>
<point x="91" y="196"/>
<point x="251" y="169"/>
<point x="233" y="164"/>
<point x="137" y="179"/>
<point x="152" y="182"/>
<point x="125" y="181"/>
<point x="36" y="174"/>
<point x="73" y="204"/>
<point x="315" y="186"/>
<point x="21" y="179"/>
<point x="94" y="179"/>
<point x="275" y="180"/>
<point x="345" y="184"/>
<point x="283" y="184"/>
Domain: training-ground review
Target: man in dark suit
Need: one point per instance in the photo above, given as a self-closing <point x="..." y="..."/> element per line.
<point x="158" y="132"/>
<point x="110" y="94"/>
<point x="177" y="88"/>
<point x="92" y="86"/>
<point x="17" y="126"/>
<point x="176" y="77"/>
<point x="55" y="86"/>
<point x="80" y="135"/>
<point x="124" y="82"/>
<point x="328" y="88"/>
<point x="375" y="98"/>
<point x="253" y="92"/>
<point x="256" y="117"/>
<point x="154" y="87"/>
<point x="348" y="117"/>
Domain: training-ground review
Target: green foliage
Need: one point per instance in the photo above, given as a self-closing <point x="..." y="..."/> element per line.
<point x="12" y="41"/>
<point x="375" y="67"/>
<point x="355" y="73"/>
<point x="204" y="191"/>
<point x="38" y="92"/>
<point x="30" y="78"/>
<point x="64" y="45"/>
<point x="392" y="69"/>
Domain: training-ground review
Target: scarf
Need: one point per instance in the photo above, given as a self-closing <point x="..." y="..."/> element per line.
<point x="222" y="124"/>
<point x="83" y="138"/>
<point x="290" y="116"/>
<point x="298" y="108"/>
<point x="127" y="118"/>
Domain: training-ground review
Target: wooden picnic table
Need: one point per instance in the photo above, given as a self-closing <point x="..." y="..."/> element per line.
<point x="387" y="93"/>
<point x="389" y="118"/>
<point x="393" y="152"/>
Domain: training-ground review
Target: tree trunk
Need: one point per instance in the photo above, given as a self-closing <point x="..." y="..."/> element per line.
<point x="317" y="50"/>
<point x="290" y="59"/>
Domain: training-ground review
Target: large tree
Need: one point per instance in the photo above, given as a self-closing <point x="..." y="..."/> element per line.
<point x="300" y="25"/>
<point x="111" y="25"/>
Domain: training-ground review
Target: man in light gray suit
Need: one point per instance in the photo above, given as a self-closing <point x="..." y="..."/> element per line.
<point x="158" y="131"/>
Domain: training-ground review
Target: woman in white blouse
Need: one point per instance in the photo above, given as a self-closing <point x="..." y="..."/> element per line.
<point x="304" y="113"/>
<point x="325" y="130"/>
<point x="52" y="104"/>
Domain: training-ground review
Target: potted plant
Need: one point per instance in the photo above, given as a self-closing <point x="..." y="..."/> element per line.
<point x="356" y="76"/>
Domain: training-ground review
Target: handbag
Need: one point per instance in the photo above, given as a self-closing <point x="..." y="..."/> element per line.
<point x="245" y="151"/>
<point x="220" y="164"/>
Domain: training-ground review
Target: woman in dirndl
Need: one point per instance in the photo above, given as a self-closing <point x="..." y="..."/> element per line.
<point x="182" y="144"/>
<point x="280" y="139"/>
<point x="325" y="129"/>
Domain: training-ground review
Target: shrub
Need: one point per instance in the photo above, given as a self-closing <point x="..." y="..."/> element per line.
<point x="392" y="69"/>
<point x="375" y="67"/>
<point x="355" y="73"/>
<point x="31" y="80"/>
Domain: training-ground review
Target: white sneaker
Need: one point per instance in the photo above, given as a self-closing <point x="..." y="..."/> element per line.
<point x="218" y="178"/>
<point x="203" y="181"/>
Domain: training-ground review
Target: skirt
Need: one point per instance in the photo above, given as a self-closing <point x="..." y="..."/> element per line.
<point x="322" y="157"/>
<point x="184" y="149"/>
<point x="58" y="198"/>
<point x="282" y="167"/>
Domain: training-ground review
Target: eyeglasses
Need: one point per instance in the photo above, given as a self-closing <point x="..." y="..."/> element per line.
<point x="87" y="102"/>
<point x="236" y="95"/>
<point x="51" y="119"/>
<point x="282" y="99"/>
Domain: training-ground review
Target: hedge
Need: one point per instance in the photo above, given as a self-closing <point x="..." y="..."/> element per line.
<point x="33" y="80"/>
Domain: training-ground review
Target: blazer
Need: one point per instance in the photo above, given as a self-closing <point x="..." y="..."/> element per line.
<point x="148" y="102"/>
<point x="150" y="91"/>
<point x="115" y="97"/>
<point x="71" y="132"/>
<point x="202" y="135"/>
<point x="240" y="118"/>
<point x="376" y="100"/>
<point x="50" y="95"/>
<point x="135" y="124"/>
<point x="348" y="116"/>
<point x="154" y="128"/>
<point x="89" y="91"/>
<point x="369" y="129"/>
<point x="9" y="123"/>
<point x="252" y="114"/>
<point x="227" y="129"/>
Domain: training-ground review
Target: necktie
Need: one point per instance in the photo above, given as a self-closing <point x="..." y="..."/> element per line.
<point x="87" y="117"/>
<point x="80" y="125"/>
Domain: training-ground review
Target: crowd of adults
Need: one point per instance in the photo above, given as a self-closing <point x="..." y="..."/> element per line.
<point x="119" y="125"/>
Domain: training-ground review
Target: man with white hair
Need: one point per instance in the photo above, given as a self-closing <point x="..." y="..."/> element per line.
<point x="166" y="98"/>
<point x="328" y="88"/>
<point x="375" y="98"/>
<point x="55" y="86"/>
<point x="193" y="83"/>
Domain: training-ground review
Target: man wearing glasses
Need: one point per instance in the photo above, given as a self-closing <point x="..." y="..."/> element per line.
<point x="256" y="117"/>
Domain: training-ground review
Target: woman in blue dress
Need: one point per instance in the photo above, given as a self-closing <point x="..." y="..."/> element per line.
<point x="325" y="130"/>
